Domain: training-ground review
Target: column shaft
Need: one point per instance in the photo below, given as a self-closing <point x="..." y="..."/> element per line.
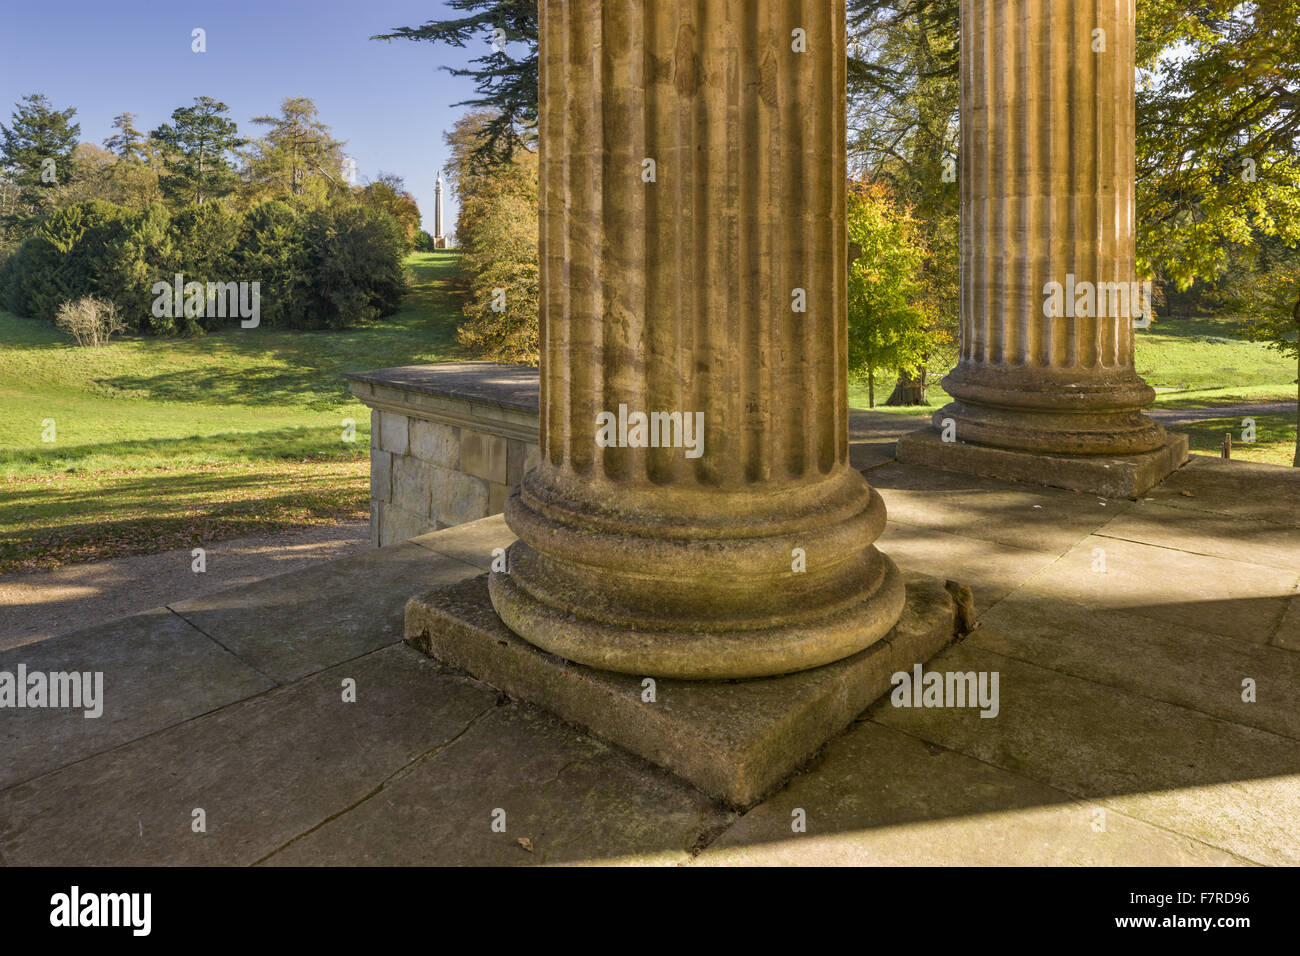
<point x="692" y="179"/>
<point x="1047" y="179"/>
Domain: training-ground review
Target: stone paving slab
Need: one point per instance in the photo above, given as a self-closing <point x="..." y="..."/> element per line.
<point x="990" y="570"/>
<point x="1121" y="693"/>
<point x="1243" y="601"/>
<point x="1287" y="634"/>
<point x="264" y="770"/>
<point x="472" y="543"/>
<point x="879" y="797"/>
<point x="1217" y="535"/>
<point x="1233" y="787"/>
<point x="1010" y="513"/>
<point x="157" y="671"/>
<point x="574" y="798"/>
<point x="1162" y="660"/>
<point x="296" y="624"/>
<point x="1245" y="489"/>
<point x="735" y="740"/>
<point x="44" y="604"/>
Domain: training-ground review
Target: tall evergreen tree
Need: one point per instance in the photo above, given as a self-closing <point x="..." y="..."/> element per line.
<point x="128" y="143"/>
<point x="36" y="156"/>
<point x="197" y="146"/>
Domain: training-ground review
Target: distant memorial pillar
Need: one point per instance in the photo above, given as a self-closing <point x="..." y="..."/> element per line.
<point x="439" y="240"/>
<point x="695" y="514"/>
<point x="1048" y="296"/>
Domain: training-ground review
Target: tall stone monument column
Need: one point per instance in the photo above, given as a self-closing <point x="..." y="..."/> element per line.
<point x="695" y="514"/>
<point x="1048" y="298"/>
<point x="439" y="240"/>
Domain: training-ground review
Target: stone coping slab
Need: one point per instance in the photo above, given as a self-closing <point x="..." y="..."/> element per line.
<point x="510" y="386"/>
<point x="1119" y="476"/>
<point x="735" y="740"/>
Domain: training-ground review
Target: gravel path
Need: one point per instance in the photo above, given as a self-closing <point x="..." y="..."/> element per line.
<point x="1180" y="416"/>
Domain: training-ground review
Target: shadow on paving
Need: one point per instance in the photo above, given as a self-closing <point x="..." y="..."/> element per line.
<point x="413" y="773"/>
<point x="1122" y="736"/>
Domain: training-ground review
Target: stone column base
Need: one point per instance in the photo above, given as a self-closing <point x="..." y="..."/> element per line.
<point x="736" y="740"/>
<point x="1109" y="476"/>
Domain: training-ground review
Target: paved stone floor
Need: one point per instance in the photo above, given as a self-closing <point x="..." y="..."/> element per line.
<point x="41" y="604"/>
<point x="1121" y="632"/>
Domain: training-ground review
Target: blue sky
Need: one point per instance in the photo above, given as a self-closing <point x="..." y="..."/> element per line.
<point x="389" y="101"/>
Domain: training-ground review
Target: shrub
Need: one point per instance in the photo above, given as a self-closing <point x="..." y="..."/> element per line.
<point x="328" y="267"/>
<point x="355" y="262"/>
<point x="273" y="251"/>
<point x="142" y="253"/>
<point x="65" y="259"/>
<point x="89" y="321"/>
<point x="203" y="241"/>
<point x="89" y="249"/>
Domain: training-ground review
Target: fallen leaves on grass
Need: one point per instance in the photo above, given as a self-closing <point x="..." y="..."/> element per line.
<point x="52" y="520"/>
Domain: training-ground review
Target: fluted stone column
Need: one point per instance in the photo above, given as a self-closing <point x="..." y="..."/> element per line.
<point x="1047" y="180"/>
<point x="693" y="180"/>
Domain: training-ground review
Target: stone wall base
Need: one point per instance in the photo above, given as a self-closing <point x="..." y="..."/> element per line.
<point x="735" y="740"/>
<point x="1125" y="476"/>
<point x="447" y="443"/>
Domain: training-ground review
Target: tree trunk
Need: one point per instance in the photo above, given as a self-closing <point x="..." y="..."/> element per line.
<point x="909" y="390"/>
<point x="871" y="386"/>
<point x="1295" y="314"/>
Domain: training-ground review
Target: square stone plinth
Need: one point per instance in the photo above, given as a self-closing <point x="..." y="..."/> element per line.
<point x="735" y="740"/>
<point x="1120" y="476"/>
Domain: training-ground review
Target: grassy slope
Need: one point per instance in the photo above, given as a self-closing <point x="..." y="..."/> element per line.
<point x="167" y="443"/>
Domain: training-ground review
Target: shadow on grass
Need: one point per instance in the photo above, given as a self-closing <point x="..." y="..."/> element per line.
<point x="47" y="524"/>
<point x="321" y="442"/>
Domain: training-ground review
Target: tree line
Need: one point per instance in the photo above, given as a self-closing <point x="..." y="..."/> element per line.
<point x="195" y="197"/>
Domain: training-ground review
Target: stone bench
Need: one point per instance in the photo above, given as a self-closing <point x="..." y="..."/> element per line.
<point x="447" y="443"/>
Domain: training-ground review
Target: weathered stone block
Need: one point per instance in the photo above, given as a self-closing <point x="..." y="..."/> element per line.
<point x="436" y="443"/>
<point x="1111" y="476"/>
<point x="393" y="433"/>
<point x="413" y="485"/>
<point x="397" y="525"/>
<point x="381" y="475"/>
<point x="457" y="497"/>
<point x="497" y="495"/>
<point x="532" y="459"/>
<point x="521" y="457"/>
<point x="735" y="740"/>
<point x="483" y="455"/>
<point x="516" y="455"/>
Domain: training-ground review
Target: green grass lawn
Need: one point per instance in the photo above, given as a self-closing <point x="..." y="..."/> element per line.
<point x="164" y="443"/>
<point x="1274" y="444"/>
<point x="176" y="442"/>
<point x="1192" y="363"/>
